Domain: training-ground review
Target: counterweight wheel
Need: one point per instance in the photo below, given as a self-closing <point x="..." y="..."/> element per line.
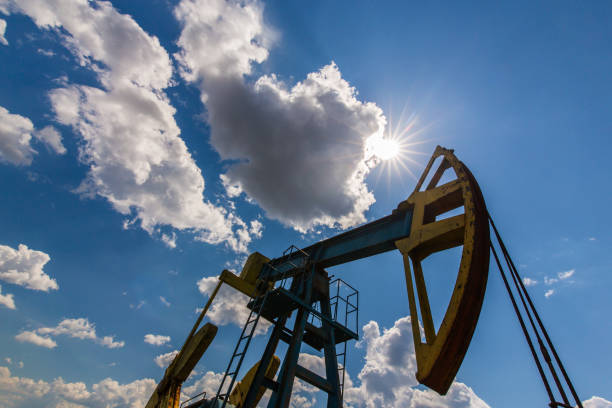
<point x="440" y="356"/>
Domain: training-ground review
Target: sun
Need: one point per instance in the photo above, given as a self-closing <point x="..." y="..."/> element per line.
<point x="393" y="148"/>
<point x="385" y="149"/>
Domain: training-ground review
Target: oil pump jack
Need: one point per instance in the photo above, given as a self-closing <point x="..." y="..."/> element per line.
<point x="297" y="282"/>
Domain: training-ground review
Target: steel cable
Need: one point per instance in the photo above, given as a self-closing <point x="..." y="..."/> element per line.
<point x="530" y="309"/>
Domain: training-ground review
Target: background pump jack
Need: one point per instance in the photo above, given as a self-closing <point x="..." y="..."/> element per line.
<point x="298" y="282"/>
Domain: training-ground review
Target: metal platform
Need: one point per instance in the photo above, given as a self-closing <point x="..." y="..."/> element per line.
<point x="281" y="301"/>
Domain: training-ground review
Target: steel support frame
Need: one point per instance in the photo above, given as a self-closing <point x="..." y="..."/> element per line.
<point x="290" y="369"/>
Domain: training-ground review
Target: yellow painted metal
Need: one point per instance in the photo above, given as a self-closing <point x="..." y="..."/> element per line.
<point x="439" y="357"/>
<point x="252" y="267"/>
<point x="168" y="391"/>
<point x="240" y="390"/>
<point x="237" y="283"/>
<point x="441" y="354"/>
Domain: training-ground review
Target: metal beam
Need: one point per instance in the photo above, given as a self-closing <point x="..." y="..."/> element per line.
<point x="370" y="239"/>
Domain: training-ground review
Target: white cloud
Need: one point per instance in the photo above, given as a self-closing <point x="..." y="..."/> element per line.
<point x="46" y="53"/>
<point x="550" y="281"/>
<point x="52" y="138"/>
<point x="156" y="339"/>
<point x="209" y="383"/>
<point x="299" y="150"/>
<point x="549" y="293"/>
<point x="2" y="31"/>
<point x="388" y="377"/>
<point x="109" y="341"/>
<point x="597" y="402"/>
<point x="566" y="274"/>
<point x="7" y="300"/>
<point x="136" y="159"/>
<point x="24" y="267"/>
<point x="169" y="240"/>
<point x="32" y="337"/>
<point x="220" y="38"/>
<point x="80" y="328"/>
<point x="256" y="229"/>
<point x="229" y="305"/>
<point x="164" y="301"/>
<point x="17" y="388"/>
<point x="164" y="360"/>
<point x="18" y="392"/>
<point x="138" y="306"/>
<point x="592" y="239"/>
<point x="529" y="282"/>
<point x="16" y="133"/>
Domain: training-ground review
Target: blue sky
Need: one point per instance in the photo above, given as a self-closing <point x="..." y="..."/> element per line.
<point x="146" y="146"/>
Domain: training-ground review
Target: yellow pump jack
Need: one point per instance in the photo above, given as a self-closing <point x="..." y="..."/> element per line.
<point x="167" y="394"/>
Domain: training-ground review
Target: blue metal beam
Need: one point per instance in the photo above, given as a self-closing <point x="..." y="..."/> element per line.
<point x="370" y="239"/>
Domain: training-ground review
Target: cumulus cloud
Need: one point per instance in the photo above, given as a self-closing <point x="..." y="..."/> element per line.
<point x="109" y="341"/>
<point x="2" y="31"/>
<point x="137" y="160"/>
<point x="387" y="378"/>
<point x="529" y="282"/>
<point x="21" y="391"/>
<point x="16" y="133"/>
<point x="169" y="240"/>
<point x="32" y="337"/>
<point x="164" y="301"/>
<point x="561" y="277"/>
<point x="138" y="305"/>
<point x="566" y="274"/>
<point x="80" y="328"/>
<point x="7" y="300"/>
<point x="229" y="305"/>
<point x="24" y="267"/>
<point x="550" y="281"/>
<point x="164" y="360"/>
<point x="597" y="402"/>
<point x="52" y="138"/>
<point x="16" y="392"/>
<point x="298" y="151"/>
<point x="209" y="383"/>
<point x="15" y="136"/>
<point x="156" y="339"/>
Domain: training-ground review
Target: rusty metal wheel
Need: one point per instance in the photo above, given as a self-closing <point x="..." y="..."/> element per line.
<point x="440" y="356"/>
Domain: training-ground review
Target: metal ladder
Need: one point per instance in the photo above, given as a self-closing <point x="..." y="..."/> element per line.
<point x="341" y="369"/>
<point x="244" y="341"/>
<point x="350" y="308"/>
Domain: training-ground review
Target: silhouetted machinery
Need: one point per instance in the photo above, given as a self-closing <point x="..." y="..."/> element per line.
<point x="295" y="288"/>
